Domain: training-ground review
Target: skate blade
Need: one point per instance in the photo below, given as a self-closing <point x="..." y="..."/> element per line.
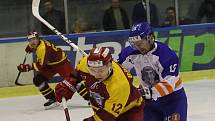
<point x="51" y="106"/>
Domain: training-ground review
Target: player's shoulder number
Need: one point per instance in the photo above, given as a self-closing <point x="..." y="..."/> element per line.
<point x="172" y="67"/>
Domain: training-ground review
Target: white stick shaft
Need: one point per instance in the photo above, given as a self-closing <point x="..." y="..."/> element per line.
<point x="35" y="11"/>
<point x="64" y="103"/>
<point x="65" y="108"/>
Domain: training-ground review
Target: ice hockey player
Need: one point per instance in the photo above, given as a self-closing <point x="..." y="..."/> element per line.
<point x="112" y="95"/>
<point x="50" y="60"/>
<point x="158" y="68"/>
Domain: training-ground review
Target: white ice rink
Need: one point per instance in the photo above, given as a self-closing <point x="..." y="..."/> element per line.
<point x="201" y="107"/>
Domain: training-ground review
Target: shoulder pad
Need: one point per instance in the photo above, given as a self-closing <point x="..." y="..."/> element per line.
<point x="126" y="52"/>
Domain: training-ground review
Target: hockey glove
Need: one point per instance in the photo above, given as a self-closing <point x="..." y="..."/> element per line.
<point x="65" y="89"/>
<point x="24" y="67"/>
<point x="29" y="49"/>
<point x="146" y="92"/>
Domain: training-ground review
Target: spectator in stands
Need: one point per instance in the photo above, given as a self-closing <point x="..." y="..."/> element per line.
<point x="79" y="26"/>
<point x="207" y="9"/>
<point x="170" y="19"/>
<point x="139" y="13"/>
<point x="54" y="17"/>
<point x="115" y="17"/>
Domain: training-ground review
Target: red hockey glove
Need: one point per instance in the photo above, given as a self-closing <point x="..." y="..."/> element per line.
<point x="29" y="49"/>
<point x="24" y="67"/>
<point x="65" y="89"/>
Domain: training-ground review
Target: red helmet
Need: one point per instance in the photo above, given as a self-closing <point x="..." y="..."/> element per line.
<point x="31" y="35"/>
<point x="99" y="57"/>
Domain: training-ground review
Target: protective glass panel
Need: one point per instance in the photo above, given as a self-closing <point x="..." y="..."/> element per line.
<point x="191" y="11"/>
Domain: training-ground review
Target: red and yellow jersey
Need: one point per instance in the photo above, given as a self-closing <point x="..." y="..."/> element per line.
<point x="113" y="96"/>
<point x="48" y="54"/>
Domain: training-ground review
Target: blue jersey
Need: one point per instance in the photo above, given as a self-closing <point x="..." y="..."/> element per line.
<point x="158" y="69"/>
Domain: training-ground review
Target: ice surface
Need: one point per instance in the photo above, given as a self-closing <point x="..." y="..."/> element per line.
<point x="201" y="98"/>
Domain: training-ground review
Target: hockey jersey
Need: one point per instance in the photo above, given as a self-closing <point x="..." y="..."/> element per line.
<point x="48" y="54"/>
<point x="111" y="97"/>
<point x="158" y="69"/>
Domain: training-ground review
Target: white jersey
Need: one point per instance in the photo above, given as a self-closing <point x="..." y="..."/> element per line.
<point x="158" y="69"/>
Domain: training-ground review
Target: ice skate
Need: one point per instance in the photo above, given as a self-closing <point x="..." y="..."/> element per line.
<point x="51" y="103"/>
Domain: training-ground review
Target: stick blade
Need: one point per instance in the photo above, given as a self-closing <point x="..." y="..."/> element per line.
<point x="19" y="84"/>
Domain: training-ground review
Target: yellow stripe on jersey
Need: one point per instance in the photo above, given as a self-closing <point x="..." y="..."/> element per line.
<point x="118" y="89"/>
<point x="35" y="67"/>
<point x="40" y="52"/>
<point x="96" y="117"/>
<point x="62" y="59"/>
<point x="83" y="65"/>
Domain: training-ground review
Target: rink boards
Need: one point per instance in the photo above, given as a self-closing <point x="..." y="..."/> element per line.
<point x="31" y="90"/>
<point x="193" y="44"/>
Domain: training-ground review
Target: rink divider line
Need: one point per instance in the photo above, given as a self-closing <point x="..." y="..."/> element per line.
<point x="16" y="91"/>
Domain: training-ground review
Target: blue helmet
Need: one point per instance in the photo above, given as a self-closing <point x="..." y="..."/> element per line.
<point x="139" y="31"/>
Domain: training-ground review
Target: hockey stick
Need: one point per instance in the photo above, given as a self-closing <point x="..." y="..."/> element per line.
<point x="65" y="108"/>
<point x="17" y="77"/>
<point x="35" y="11"/>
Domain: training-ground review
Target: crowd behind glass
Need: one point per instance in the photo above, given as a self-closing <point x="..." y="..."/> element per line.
<point x="101" y="15"/>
